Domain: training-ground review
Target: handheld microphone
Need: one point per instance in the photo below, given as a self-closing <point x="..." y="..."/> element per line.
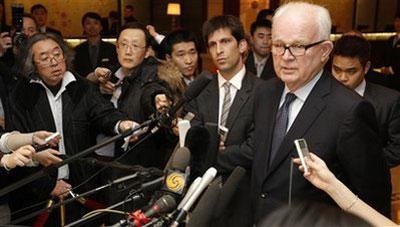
<point x="176" y="177"/>
<point x="189" y="192"/>
<point x="191" y="92"/>
<point x="163" y="205"/>
<point x="203" y="212"/>
<point x="228" y="190"/>
<point x="208" y="176"/>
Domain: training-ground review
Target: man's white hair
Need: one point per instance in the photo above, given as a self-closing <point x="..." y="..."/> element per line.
<point x="320" y="14"/>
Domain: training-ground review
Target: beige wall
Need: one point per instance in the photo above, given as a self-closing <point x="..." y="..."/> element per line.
<point x="249" y="10"/>
<point x="66" y="15"/>
<point x="214" y="8"/>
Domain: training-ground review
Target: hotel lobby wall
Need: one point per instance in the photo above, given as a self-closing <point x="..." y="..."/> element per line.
<point x="65" y="15"/>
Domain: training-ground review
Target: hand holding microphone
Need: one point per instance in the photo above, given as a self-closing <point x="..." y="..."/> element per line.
<point x="19" y="157"/>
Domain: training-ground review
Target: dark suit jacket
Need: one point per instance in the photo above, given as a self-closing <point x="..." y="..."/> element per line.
<point x="387" y="108"/>
<point x="392" y="55"/>
<point x="107" y="57"/>
<point x="268" y="71"/>
<point x="339" y="126"/>
<point x="238" y="148"/>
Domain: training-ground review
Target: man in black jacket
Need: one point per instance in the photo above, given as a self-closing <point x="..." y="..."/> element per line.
<point x="94" y="52"/>
<point x="350" y="64"/>
<point x="50" y="97"/>
<point x="131" y="86"/>
<point x="227" y="102"/>
<point x="260" y="61"/>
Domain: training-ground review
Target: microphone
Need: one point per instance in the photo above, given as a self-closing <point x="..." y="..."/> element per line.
<point x="208" y="176"/>
<point x="176" y="177"/>
<point x="163" y="205"/>
<point x="119" y="166"/>
<point x="189" y="192"/>
<point x="202" y="213"/>
<point x="191" y="92"/>
<point x="198" y="141"/>
<point x="228" y="190"/>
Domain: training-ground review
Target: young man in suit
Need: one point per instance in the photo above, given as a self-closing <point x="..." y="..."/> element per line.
<point x="304" y="101"/>
<point x="227" y="102"/>
<point x="351" y="62"/>
<point x="39" y="12"/>
<point x="94" y="52"/>
<point x="259" y="61"/>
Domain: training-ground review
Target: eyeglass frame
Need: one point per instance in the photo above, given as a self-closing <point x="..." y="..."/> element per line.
<point x="133" y="46"/>
<point x="51" y="56"/>
<point x="287" y="47"/>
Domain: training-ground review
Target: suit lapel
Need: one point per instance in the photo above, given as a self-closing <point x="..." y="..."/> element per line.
<point x="310" y="111"/>
<point x="268" y="120"/>
<point x="241" y="98"/>
<point x="211" y="99"/>
<point x="250" y="66"/>
<point x="268" y="70"/>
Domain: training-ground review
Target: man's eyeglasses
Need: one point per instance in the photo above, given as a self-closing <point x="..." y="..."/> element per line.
<point x="295" y="49"/>
<point x="46" y="60"/>
<point x="124" y="46"/>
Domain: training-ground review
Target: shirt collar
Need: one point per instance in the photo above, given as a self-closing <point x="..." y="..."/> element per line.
<point x="303" y="92"/>
<point x="67" y="79"/>
<point x="236" y="80"/>
<point x="262" y="62"/>
<point x="360" y="89"/>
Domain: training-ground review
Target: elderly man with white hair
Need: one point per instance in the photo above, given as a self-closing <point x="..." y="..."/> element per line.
<point x="305" y="101"/>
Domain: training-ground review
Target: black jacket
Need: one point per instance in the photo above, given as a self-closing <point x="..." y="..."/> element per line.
<point x="106" y="57"/>
<point x="268" y="70"/>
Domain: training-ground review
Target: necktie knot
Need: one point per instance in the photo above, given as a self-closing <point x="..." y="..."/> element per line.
<point x="289" y="98"/>
<point x="227" y="85"/>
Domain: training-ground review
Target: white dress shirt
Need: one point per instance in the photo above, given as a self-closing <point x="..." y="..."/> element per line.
<point x="301" y="94"/>
<point x="108" y="150"/>
<point x="259" y="64"/>
<point x="55" y="102"/>
<point x="236" y="82"/>
<point x="360" y="89"/>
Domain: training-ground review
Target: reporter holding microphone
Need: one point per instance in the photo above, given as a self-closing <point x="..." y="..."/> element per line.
<point x="16" y="150"/>
<point x="321" y="177"/>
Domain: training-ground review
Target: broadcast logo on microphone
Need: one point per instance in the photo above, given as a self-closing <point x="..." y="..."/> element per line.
<point x="175" y="182"/>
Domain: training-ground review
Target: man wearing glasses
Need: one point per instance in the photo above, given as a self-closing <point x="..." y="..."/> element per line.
<point x="50" y="97"/>
<point x="305" y="101"/>
<point x="131" y="86"/>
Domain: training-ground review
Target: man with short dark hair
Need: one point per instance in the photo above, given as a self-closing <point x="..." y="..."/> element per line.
<point x="181" y="48"/>
<point x="132" y="89"/>
<point x="39" y="12"/>
<point x="351" y="62"/>
<point x="129" y="14"/>
<point x="94" y="52"/>
<point x="225" y="109"/>
<point x="259" y="61"/>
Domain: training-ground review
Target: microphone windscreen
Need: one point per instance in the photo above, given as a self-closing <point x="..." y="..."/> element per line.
<point x="181" y="159"/>
<point x="194" y="89"/>
<point x="198" y="141"/>
<point x="228" y="190"/>
<point x="203" y="212"/>
<point x="163" y="205"/>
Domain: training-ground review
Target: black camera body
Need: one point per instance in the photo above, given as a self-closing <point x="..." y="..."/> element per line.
<point x="19" y="38"/>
